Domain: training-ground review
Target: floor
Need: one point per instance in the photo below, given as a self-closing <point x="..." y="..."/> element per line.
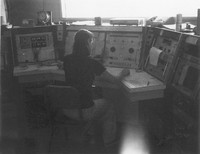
<point x="32" y="136"/>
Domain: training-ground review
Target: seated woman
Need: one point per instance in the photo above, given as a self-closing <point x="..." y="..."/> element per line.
<point x="80" y="71"/>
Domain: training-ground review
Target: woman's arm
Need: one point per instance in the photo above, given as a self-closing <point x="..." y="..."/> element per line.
<point x="114" y="79"/>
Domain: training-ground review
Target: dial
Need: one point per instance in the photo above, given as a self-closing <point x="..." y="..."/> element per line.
<point x="43" y="17"/>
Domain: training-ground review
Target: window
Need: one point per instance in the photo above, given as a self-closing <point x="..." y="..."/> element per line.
<point x="3" y="12"/>
<point x="128" y="8"/>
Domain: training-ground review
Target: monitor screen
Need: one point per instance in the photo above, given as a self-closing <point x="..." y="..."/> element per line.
<point x="187" y="77"/>
<point x="192" y="50"/>
<point x="191" y="78"/>
<point x="35" y="47"/>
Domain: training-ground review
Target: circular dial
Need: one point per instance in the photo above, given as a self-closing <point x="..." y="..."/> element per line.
<point x="43" y="17"/>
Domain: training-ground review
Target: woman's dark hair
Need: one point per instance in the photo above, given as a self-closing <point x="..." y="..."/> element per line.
<point x="81" y="43"/>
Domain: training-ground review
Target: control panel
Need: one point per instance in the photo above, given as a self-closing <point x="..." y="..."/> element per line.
<point x="187" y="75"/>
<point x="35" y="47"/>
<point x="114" y="46"/>
<point x="149" y="36"/>
<point x="167" y="45"/>
<point x="123" y="49"/>
<point x="98" y="44"/>
<point x="190" y="48"/>
<point x="60" y="32"/>
<point x="163" y="54"/>
<point x="69" y="40"/>
<point x="186" y="78"/>
<point x="185" y="93"/>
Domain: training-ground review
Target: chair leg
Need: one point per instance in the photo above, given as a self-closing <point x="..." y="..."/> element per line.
<point x="53" y="129"/>
<point x="96" y="132"/>
<point x="98" y="136"/>
<point x="86" y="128"/>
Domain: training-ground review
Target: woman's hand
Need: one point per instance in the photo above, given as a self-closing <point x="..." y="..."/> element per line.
<point x="125" y="72"/>
<point x="106" y="76"/>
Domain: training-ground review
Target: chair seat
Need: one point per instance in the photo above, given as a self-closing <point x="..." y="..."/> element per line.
<point x="66" y="120"/>
<point x="58" y="98"/>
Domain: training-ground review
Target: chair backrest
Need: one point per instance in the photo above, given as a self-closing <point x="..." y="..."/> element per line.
<point x="62" y="97"/>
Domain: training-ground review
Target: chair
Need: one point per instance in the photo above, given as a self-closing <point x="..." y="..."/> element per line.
<point x="58" y="98"/>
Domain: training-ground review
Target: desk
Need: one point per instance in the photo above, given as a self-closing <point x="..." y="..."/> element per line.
<point x="135" y="87"/>
<point x="34" y="73"/>
<point x="140" y="85"/>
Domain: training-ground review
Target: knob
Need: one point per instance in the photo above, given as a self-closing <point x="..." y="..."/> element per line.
<point x="112" y="49"/>
<point x="131" y="50"/>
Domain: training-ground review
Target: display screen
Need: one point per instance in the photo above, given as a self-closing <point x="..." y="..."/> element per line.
<point x="191" y="78"/>
<point x="167" y="42"/>
<point x="192" y="50"/>
<point x="33" y="41"/>
<point x="35" y="47"/>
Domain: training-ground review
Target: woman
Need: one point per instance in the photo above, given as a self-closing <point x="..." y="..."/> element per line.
<point x="80" y="71"/>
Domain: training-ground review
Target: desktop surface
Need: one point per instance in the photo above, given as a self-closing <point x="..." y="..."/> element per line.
<point x="134" y="85"/>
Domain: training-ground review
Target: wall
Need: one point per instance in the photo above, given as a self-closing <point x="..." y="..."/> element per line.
<point x="27" y="9"/>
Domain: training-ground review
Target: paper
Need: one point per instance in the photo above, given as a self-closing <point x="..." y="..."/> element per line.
<point x="141" y="82"/>
<point x="154" y="55"/>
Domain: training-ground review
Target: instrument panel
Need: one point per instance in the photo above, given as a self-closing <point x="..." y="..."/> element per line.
<point x="115" y="46"/>
<point x="164" y="48"/>
<point x="123" y="49"/>
<point x="35" y="47"/>
<point x="187" y="75"/>
<point x="186" y="92"/>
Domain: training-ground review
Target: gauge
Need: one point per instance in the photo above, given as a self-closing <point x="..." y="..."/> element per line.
<point x="43" y="17"/>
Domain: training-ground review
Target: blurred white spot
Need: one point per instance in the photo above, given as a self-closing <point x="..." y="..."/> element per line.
<point x="134" y="141"/>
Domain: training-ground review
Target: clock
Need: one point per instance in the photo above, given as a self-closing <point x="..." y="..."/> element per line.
<point x="44" y="18"/>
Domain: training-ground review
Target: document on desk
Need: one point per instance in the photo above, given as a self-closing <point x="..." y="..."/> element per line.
<point x="142" y="81"/>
